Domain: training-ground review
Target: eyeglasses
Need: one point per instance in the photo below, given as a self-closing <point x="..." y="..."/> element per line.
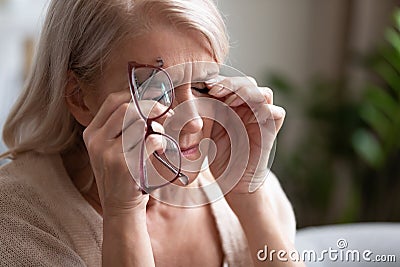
<point x="153" y="94"/>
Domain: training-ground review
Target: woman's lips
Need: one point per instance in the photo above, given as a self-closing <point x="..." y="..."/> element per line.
<point x="190" y="150"/>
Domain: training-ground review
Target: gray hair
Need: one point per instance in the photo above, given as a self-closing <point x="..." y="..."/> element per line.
<point x="78" y="36"/>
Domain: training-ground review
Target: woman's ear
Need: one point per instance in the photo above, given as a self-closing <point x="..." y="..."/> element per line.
<point x="74" y="97"/>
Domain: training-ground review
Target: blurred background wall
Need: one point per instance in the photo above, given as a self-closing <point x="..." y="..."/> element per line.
<point x="303" y="39"/>
<point x="315" y="54"/>
<point x="20" y="22"/>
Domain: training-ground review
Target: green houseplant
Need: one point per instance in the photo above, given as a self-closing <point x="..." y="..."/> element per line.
<point x="378" y="142"/>
<point x="345" y="167"/>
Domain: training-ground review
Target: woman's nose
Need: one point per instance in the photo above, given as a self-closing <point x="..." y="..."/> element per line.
<point x="187" y="118"/>
<point x="194" y="125"/>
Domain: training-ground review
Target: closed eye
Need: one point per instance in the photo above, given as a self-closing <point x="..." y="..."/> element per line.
<point x="200" y="89"/>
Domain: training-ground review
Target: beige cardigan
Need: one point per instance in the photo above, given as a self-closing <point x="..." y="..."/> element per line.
<point x="45" y="221"/>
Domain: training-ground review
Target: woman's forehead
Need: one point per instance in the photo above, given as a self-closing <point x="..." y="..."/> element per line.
<point x="172" y="45"/>
<point x="177" y="50"/>
<point x="193" y="72"/>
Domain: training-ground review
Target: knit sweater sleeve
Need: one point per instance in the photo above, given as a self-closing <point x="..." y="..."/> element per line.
<point x="44" y="220"/>
<point x="24" y="244"/>
<point x="30" y="233"/>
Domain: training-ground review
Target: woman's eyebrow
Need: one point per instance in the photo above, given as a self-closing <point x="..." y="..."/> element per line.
<point x="206" y="76"/>
<point x="180" y="77"/>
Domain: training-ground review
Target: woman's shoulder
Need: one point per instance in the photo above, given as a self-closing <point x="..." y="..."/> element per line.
<point x="25" y="175"/>
<point x="37" y="189"/>
<point x="40" y="209"/>
<point x="15" y="176"/>
<point x="24" y="187"/>
<point x="39" y="182"/>
<point x="34" y="169"/>
<point x="26" y="163"/>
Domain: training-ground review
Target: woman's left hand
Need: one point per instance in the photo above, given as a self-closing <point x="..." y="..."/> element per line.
<point x="262" y="121"/>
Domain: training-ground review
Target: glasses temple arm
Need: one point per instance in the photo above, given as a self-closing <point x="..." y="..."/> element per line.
<point x="182" y="177"/>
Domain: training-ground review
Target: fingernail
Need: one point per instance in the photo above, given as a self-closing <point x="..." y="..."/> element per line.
<point x="215" y="80"/>
<point x="252" y="119"/>
<point x="279" y="111"/>
<point x="282" y="111"/>
<point x="171" y="112"/>
<point x="210" y="82"/>
<point x="255" y="112"/>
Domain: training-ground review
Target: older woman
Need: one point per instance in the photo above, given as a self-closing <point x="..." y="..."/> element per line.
<point x="68" y="197"/>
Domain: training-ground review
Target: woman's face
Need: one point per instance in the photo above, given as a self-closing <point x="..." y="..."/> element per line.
<point x="174" y="47"/>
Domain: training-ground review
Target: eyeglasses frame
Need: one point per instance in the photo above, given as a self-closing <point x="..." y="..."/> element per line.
<point x="144" y="187"/>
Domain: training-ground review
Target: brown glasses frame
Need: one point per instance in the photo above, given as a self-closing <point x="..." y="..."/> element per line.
<point x="144" y="186"/>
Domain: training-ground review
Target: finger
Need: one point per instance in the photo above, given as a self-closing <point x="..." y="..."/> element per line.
<point x="112" y="102"/>
<point x="154" y="142"/>
<point x="131" y="116"/>
<point x="240" y="90"/>
<point x="133" y="135"/>
<point x="132" y="147"/>
<point x="157" y="127"/>
<point x="223" y="86"/>
<point x="120" y="119"/>
<point x="250" y="96"/>
<point x="268" y="94"/>
<point x="265" y="113"/>
<point x="153" y="109"/>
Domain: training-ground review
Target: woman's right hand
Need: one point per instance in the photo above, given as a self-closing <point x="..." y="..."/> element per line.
<point x="118" y="192"/>
<point x="123" y="204"/>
